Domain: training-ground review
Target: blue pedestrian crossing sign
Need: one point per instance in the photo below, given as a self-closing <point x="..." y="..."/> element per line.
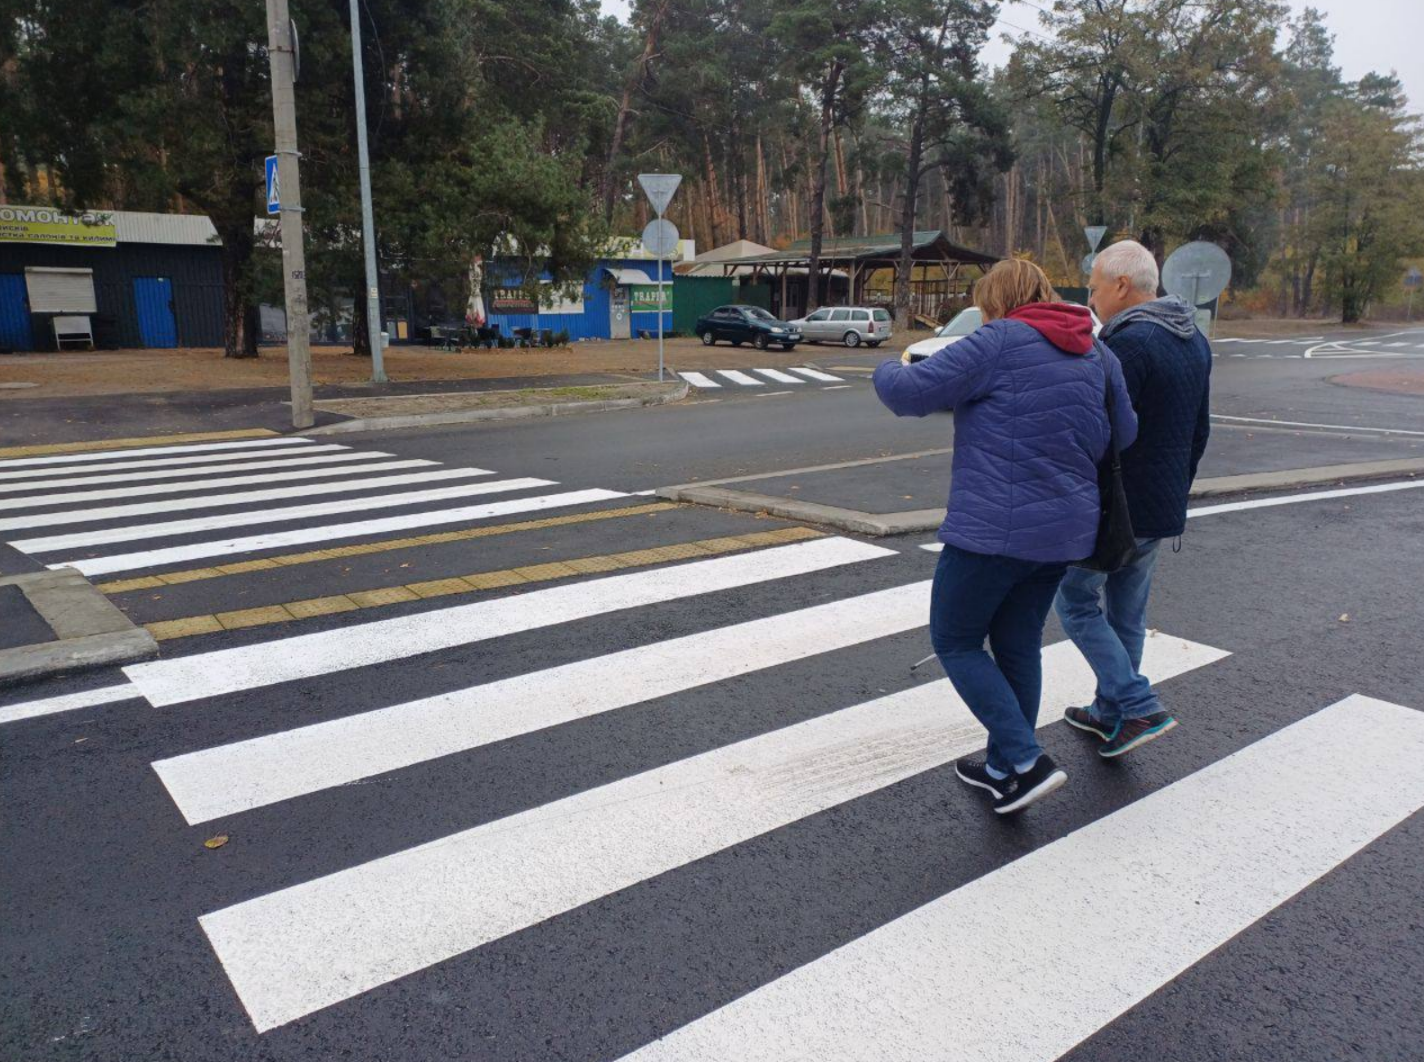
<point x="274" y="194"/>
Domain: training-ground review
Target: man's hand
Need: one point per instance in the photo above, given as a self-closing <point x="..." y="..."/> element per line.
<point x="905" y="357"/>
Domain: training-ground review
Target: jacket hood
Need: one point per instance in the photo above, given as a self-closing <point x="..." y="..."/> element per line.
<point x="1066" y="326"/>
<point x="1172" y="313"/>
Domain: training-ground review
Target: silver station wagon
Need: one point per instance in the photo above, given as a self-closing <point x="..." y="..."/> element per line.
<point x="849" y="325"/>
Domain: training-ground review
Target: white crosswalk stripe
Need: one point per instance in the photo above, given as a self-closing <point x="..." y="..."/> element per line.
<point x="161" y="556"/>
<point x="160" y="467"/>
<point x="696" y="379"/>
<point x="738" y="377"/>
<point x="151" y="451"/>
<point x="135" y="532"/>
<point x="189" y="486"/>
<point x="217" y="501"/>
<point x="817" y="374"/>
<point x="233" y="778"/>
<point x="203" y="675"/>
<point x="395" y="913"/>
<point x="781" y="377"/>
<point x="981" y="971"/>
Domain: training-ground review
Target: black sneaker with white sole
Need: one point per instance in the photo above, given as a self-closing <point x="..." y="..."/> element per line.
<point x="976" y="773"/>
<point x="1018" y="791"/>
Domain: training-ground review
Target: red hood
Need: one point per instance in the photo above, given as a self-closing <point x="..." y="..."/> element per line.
<point x="1067" y="327"/>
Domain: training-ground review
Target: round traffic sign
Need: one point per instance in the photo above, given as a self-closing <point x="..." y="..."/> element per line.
<point x="660" y="238"/>
<point x="1198" y="272"/>
<point x="1088" y="260"/>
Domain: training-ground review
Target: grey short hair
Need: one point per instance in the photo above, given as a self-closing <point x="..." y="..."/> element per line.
<point x="1128" y="258"/>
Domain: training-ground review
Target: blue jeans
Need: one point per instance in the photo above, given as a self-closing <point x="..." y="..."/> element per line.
<point x="1106" y="616"/>
<point x="977" y="596"/>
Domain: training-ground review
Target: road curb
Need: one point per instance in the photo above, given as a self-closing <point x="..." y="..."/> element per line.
<point x="90" y="630"/>
<point x="471" y="416"/>
<point x="882" y="525"/>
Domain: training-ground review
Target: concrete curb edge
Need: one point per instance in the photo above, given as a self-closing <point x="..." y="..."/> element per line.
<point x="880" y="525"/>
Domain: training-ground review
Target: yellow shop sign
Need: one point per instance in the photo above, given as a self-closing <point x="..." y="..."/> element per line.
<point x="21" y="224"/>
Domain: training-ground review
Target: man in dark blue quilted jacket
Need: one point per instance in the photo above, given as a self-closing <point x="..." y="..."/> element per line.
<point x="1167" y="364"/>
<point x="1028" y="391"/>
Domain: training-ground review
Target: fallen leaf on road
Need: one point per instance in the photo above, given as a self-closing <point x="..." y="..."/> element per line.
<point x="216" y="842"/>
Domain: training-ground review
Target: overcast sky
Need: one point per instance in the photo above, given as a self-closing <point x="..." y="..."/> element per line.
<point x="1370" y="35"/>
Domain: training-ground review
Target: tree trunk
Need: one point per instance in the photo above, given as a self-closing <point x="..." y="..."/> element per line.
<point x="907" y="213"/>
<point x="817" y="211"/>
<point x="713" y="192"/>
<point x="239" y="334"/>
<point x="609" y="190"/>
<point x="360" y="326"/>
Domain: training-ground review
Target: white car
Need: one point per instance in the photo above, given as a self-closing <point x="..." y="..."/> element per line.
<point x="960" y="325"/>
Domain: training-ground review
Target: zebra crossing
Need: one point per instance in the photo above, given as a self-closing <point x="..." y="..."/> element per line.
<point x="991" y="968"/>
<point x="89" y="504"/>
<point x="744" y="378"/>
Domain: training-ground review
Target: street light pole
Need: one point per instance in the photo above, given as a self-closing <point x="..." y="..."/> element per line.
<point x="294" y="264"/>
<point x="368" y="225"/>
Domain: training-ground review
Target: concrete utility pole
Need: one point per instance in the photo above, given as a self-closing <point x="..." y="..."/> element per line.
<point x="294" y="262"/>
<point x="368" y="225"/>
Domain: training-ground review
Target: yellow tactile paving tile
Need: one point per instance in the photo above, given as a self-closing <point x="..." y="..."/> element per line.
<point x="150" y="582"/>
<point x="475" y="581"/>
<point x="42" y="449"/>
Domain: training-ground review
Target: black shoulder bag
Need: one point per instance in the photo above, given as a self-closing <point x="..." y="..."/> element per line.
<point x="1116" y="544"/>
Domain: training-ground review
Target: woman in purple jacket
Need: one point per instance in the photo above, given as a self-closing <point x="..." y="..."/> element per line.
<point x="1028" y="391"/>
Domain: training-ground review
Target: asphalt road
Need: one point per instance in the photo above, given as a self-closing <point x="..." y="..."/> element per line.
<point x="615" y="787"/>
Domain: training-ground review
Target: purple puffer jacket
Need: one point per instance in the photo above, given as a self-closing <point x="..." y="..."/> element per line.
<point x="1030" y="426"/>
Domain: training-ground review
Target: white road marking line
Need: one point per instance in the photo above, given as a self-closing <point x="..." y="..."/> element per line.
<point x="154" y="558"/>
<point x="696" y="379"/>
<point x="307" y="947"/>
<point x="1296" y="499"/>
<point x="1229" y="339"/>
<point x="202" y="675"/>
<point x="817" y="374"/>
<point x="134" y="532"/>
<point x="272" y="459"/>
<point x="1396" y="344"/>
<point x="1265" y="422"/>
<point x="838" y="387"/>
<point x="150" y="489"/>
<point x="642" y="493"/>
<point x="932" y="547"/>
<point x="68" y="702"/>
<point x="740" y="378"/>
<point x="345" y="457"/>
<point x="233" y="778"/>
<point x="216" y="501"/>
<point x="1238" y="355"/>
<point x="147" y="451"/>
<point x="779" y="376"/>
<point x="773" y="394"/>
<point x="998" y="964"/>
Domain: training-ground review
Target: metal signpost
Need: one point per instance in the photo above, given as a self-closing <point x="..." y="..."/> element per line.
<point x="1413" y="281"/>
<point x="660" y="237"/>
<point x="368" y="225"/>
<point x="1197" y="272"/>
<point x="285" y="193"/>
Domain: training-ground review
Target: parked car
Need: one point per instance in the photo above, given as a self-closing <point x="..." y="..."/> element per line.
<point x="960" y="325"/>
<point x="850" y="325"/>
<point x="746" y="324"/>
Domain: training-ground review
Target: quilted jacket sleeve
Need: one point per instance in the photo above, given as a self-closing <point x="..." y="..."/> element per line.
<point x="957" y="373"/>
<point x="1124" y="414"/>
<point x="1203" y="426"/>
